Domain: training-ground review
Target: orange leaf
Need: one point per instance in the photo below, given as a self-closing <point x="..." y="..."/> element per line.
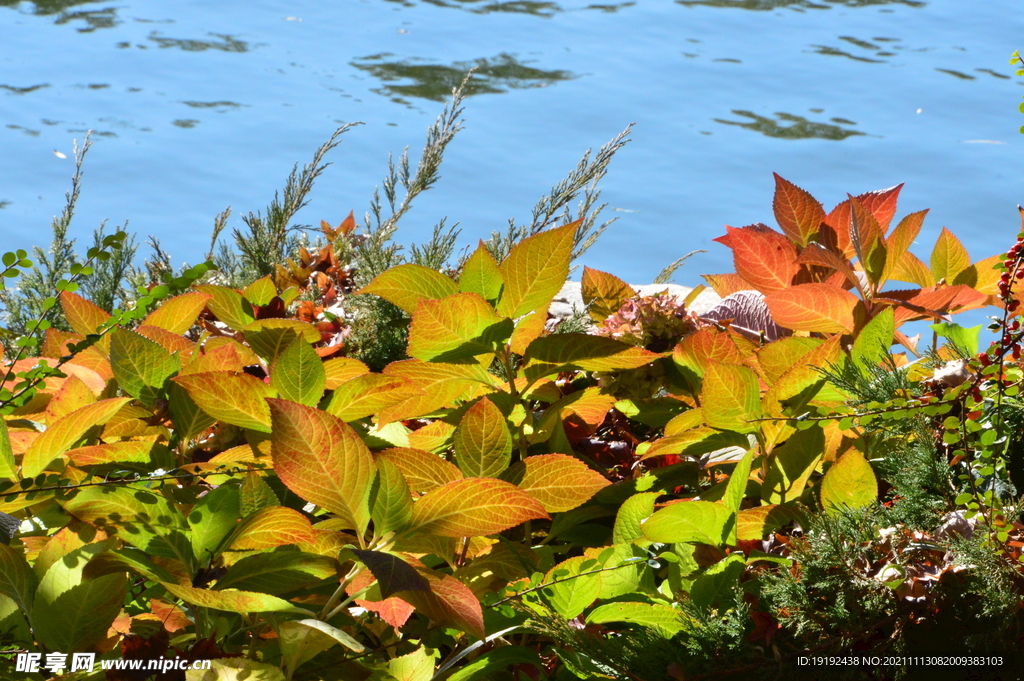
<point x="64" y="432"/>
<point x="83" y="316"/>
<point x="798" y="213"/>
<point x="559" y="482"/>
<point x="949" y="257"/>
<point x="320" y="458"/>
<point x="73" y="394"/>
<point x="215" y="358"/>
<point x="179" y="313"/>
<point x="911" y="270"/>
<point x="440" y="385"/>
<point x="821" y="308"/>
<point x="369" y="394"/>
<point x="270" y="527"/>
<point x="472" y="507"/>
<point x="900" y="240"/>
<point x="762" y="256"/>
<point x="882" y="204"/>
<point x="603" y="293"/>
<point x="139" y="452"/>
<point x="171" y="342"/>
<point x="235" y="398"/>
<point x="816" y="254"/>
<point x="942" y="300"/>
<point x="449" y="601"/>
<point x="528" y="329"/>
<point x="423" y="471"/>
<point x="342" y="369"/>
<point x="727" y="284"/>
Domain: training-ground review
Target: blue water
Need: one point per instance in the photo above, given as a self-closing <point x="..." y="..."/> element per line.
<point x="201" y="105"/>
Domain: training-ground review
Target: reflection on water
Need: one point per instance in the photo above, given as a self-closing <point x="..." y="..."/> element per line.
<point x="435" y="81"/>
<point x="541" y="9"/>
<point x="226" y="43"/>
<point x="27" y="131"/>
<point x="100" y="18"/>
<point x="44" y="7"/>
<point x="766" y="5"/>
<point x="799" y="128"/>
<point x="96" y="18"/>
<point x="221" y="106"/>
<point x="15" y="90"/>
<point x="836" y="52"/>
<point x="957" y="74"/>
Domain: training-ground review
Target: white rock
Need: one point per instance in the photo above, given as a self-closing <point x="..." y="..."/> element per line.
<point x="571" y="297"/>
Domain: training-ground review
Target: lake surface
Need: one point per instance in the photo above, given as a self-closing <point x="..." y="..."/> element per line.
<point x="201" y="105"/>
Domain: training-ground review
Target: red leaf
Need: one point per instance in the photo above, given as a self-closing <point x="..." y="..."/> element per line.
<point x="798" y="213"/>
<point x="821" y="308"/>
<point x="762" y="256"/>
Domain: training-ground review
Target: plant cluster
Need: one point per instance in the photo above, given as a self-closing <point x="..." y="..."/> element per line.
<point x="221" y="470"/>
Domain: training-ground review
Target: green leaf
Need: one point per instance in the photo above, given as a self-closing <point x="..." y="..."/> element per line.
<point x="229" y="306"/>
<point x="873" y="342"/>
<point x="277" y="573"/>
<point x="667" y="621"/>
<point x="483" y="443"/>
<point x="270" y="337"/>
<point x="261" y="291"/>
<point x="232" y="601"/>
<point x="791" y="464"/>
<point x="703" y="522"/>
<point x="731" y="398"/>
<point x="562" y="352"/>
<point x="492" y="663"/>
<point x="235" y="669"/>
<point x="320" y="458"/>
<point x="737" y="486"/>
<point x="255" y="495"/>
<point x="8" y="467"/>
<point x="633" y="512"/>
<point x="535" y="270"/>
<point x="390" y="500"/>
<point x="302" y="640"/>
<point x="298" y="374"/>
<point x="965" y="338"/>
<point x="715" y="586"/>
<point x="211" y="519"/>
<point x="849" y="483"/>
<point x="480" y="274"/>
<point x="79" y="618"/>
<point x="140" y="517"/>
<point x="456" y="329"/>
<point x="416" y="666"/>
<point x="578" y="591"/>
<point x="17" y="580"/>
<point x="406" y="285"/>
<point x="189" y="420"/>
